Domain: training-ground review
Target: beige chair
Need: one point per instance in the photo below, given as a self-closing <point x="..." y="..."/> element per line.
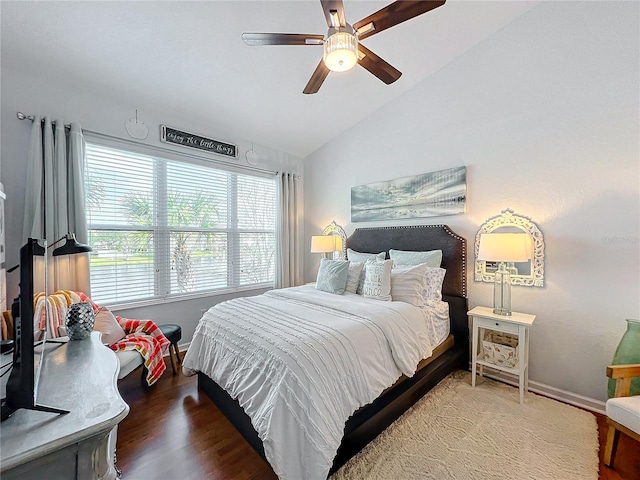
<point x="623" y="411"/>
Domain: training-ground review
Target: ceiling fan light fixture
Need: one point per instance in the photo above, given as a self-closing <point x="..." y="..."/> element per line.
<point x="340" y="51"/>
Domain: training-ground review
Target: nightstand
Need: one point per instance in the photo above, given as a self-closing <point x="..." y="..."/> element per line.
<point x="517" y="324"/>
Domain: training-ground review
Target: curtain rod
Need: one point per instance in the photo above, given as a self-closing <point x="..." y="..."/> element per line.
<point x="22" y="116"/>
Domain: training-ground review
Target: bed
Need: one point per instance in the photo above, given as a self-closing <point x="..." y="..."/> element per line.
<point x="369" y="420"/>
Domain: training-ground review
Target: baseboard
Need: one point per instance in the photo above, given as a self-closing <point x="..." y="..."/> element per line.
<point x="564" y="396"/>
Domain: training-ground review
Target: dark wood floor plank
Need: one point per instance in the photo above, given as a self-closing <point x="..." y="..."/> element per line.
<point x="174" y="431"/>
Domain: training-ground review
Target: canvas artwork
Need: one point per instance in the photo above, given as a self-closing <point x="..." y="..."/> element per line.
<point x="427" y="195"/>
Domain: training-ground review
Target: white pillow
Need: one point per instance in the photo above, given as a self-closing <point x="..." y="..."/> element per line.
<point x="432" y="258"/>
<point x="361" y="280"/>
<point x="107" y="324"/>
<point x="433" y="285"/>
<point x="354" y="256"/>
<point x="353" y="276"/>
<point x="377" y="280"/>
<point x="408" y="284"/>
<point x="360" y="257"/>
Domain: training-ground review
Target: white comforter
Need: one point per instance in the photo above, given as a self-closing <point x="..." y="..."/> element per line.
<point x="301" y="361"/>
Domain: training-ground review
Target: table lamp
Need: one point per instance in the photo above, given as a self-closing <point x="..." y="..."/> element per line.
<point x="325" y="244"/>
<point x="503" y="247"/>
<point x="70" y="247"/>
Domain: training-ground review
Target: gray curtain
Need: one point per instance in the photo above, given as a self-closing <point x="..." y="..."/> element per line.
<point x="54" y="199"/>
<point x="289" y="259"/>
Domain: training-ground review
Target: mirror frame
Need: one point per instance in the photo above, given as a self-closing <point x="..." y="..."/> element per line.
<point x="510" y="219"/>
<point x="334" y="229"/>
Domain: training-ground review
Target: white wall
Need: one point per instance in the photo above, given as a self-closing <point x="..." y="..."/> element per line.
<point x="545" y="115"/>
<point x="104" y="112"/>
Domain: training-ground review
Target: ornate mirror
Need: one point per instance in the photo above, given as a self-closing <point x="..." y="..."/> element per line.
<point x="530" y="273"/>
<point x="334" y="229"/>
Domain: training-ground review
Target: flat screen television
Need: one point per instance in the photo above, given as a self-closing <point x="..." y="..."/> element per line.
<point x="21" y="385"/>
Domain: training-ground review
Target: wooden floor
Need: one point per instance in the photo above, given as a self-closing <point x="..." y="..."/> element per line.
<point x="175" y="432"/>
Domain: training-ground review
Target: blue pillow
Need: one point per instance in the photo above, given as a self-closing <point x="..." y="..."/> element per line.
<point x="332" y="276"/>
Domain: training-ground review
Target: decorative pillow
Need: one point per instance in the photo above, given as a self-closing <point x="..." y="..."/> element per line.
<point x="377" y="279"/>
<point x="432" y="258"/>
<point x="408" y="284"/>
<point x="433" y="284"/>
<point x="332" y="276"/>
<point x="360" y="257"/>
<point x="353" y="276"/>
<point x="361" y="279"/>
<point x="354" y="256"/>
<point x="107" y="324"/>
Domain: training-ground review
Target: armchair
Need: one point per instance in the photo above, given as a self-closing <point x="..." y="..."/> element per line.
<point x="623" y="411"/>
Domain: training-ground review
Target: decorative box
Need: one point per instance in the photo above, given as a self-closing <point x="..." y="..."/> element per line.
<point x="500" y="348"/>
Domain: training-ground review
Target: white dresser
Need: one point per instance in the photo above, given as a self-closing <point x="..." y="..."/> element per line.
<point x="79" y="376"/>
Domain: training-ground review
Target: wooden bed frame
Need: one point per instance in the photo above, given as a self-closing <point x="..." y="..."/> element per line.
<point x="371" y="420"/>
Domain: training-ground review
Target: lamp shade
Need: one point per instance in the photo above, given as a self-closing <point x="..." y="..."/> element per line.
<point x="71" y="246"/>
<point x="325" y="243"/>
<point x="504" y="247"/>
<point x="341" y="51"/>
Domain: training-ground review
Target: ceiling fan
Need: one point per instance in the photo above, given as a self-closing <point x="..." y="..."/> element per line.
<point x="342" y="47"/>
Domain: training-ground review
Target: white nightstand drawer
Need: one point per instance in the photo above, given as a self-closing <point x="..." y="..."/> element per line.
<point x="497" y="325"/>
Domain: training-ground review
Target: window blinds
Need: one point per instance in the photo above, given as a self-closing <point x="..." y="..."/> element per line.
<point x="160" y="227"/>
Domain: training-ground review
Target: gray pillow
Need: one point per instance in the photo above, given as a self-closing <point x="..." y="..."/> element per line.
<point x="354" y="256"/>
<point x="432" y="258"/>
<point x="332" y="276"/>
<point x="353" y="277"/>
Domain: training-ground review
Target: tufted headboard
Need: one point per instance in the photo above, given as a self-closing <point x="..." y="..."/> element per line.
<point x="419" y="238"/>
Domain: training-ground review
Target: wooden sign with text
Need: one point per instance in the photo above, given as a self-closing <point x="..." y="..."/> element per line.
<point x="171" y="135"/>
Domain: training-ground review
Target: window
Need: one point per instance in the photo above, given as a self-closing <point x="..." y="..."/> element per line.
<point x="161" y="228"/>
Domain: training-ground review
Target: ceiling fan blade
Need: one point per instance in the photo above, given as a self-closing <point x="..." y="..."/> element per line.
<point x="260" y="39"/>
<point x="315" y="82"/>
<point x="393" y="14"/>
<point x="328" y="5"/>
<point x="378" y="66"/>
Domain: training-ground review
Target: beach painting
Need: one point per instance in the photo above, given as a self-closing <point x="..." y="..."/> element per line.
<point x="431" y="194"/>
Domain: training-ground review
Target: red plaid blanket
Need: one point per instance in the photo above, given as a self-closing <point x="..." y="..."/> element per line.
<point x="143" y="336"/>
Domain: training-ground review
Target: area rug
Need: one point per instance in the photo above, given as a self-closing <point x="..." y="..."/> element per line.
<point x="460" y="432"/>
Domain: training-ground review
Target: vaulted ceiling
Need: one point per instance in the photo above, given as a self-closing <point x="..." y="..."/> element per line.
<point x="189" y="57"/>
